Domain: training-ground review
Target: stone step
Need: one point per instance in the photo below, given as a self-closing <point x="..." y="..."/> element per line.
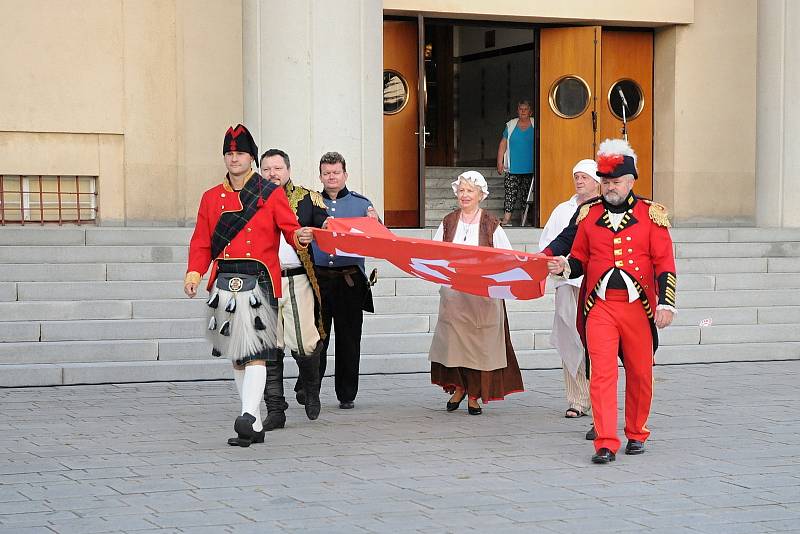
<point x="518" y="319"/>
<point x="81" y="291"/>
<point x="93" y="254"/>
<point x="690" y="244"/>
<point x="177" y="328"/>
<point x="11" y="332"/>
<point x="738" y="250"/>
<point x="43" y="374"/>
<point x="450" y="203"/>
<point x="49" y="272"/>
<point x="756" y="281"/>
<point x="67" y="237"/>
<point x="394" y="344"/>
<point x="78" y="351"/>
<point x="38" y="236"/>
<point x="8" y="292"/>
<point x="444" y="182"/>
<point x="139" y="236"/>
<point x="122" y="330"/>
<point x="129" y="272"/>
<point x="50" y="310"/>
<point x="451" y="173"/>
<point x="739" y="298"/>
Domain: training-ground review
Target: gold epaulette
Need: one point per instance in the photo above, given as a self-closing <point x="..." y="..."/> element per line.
<point x="316" y="199"/>
<point x="658" y="213"/>
<point x="584" y="210"/>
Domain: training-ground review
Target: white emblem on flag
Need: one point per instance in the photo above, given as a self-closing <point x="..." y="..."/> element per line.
<point x="514" y="275"/>
<point x="501" y="292"/>
<point x="422" y="266"/>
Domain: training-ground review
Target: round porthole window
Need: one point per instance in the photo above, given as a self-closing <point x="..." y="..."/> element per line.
<point x="569" y="97"/>
<point x="633" y="98"/>
<point x="395" y="92"/>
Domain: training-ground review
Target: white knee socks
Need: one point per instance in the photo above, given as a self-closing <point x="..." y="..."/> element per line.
<point x="253" y="382"/>
<point x="238" y="378"/>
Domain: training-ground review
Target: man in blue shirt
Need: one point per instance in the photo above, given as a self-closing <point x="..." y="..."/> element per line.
<point x="515" y="159"/>
<point x="342" y="280"/>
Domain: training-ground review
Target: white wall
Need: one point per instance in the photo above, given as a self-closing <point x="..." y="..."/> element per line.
<point x="313" y="83"/>
<point x="778" y="122"/>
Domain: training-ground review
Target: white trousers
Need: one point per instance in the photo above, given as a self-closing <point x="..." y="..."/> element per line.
<point x="564" y="337"/>
<point x="297" y="328"/>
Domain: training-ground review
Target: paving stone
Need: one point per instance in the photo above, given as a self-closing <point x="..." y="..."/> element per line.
<point x="399" y="463"/>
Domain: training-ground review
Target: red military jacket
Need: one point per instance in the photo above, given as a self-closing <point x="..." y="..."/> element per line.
<point x="259" y="239"/>
<point x="641" y="247"/>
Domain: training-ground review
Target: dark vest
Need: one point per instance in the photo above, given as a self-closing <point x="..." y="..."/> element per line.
<point x="487" y="227"/>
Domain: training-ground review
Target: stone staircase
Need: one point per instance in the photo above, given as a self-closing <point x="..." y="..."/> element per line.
<point x="439" y="198"/>
<point x="98" y="305"/>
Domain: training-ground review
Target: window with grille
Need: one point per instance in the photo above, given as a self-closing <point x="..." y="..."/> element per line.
<point x="48" y="199"/>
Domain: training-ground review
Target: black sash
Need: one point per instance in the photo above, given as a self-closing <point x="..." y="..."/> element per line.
<point x="231" y="222"/>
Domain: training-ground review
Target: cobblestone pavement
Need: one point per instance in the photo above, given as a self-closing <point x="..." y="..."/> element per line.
<point x="724" y="458"/>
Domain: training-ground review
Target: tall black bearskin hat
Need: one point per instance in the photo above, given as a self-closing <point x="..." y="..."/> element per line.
<point x="616" y="158"/>
<point x="238" y="139"/>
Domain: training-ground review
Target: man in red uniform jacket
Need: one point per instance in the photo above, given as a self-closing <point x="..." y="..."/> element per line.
<point x="624" y="250"/>
<point x="238" y="227"/>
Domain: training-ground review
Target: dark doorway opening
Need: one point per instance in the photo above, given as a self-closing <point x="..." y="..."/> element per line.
<point x="474" y="76"/>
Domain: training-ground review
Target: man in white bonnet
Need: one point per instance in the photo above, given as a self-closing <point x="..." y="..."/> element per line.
<point x="564" y="336"/>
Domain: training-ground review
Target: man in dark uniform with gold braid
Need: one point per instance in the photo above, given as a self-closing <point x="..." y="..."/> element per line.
<point x="300" y="326"/>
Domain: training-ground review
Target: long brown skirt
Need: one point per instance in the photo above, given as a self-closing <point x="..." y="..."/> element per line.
<point x="484" y="385"/>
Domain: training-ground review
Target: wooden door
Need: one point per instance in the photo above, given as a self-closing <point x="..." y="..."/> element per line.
<point x="627" y="63"/>
<point x="400" y="124"/>
<point x="569" y="60"/>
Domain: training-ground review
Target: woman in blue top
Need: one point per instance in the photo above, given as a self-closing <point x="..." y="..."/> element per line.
<point x="515" y="159"/>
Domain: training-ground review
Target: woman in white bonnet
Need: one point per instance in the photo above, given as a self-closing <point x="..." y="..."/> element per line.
<point x="471" y="353"/>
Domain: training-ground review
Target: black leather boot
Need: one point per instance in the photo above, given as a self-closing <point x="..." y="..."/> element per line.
<point x="273" y="396"/>
<point x="308" y="367"/>
<point x="300" y="390"/>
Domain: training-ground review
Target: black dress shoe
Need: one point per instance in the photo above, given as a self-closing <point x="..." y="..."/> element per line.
<point x="453" y="406"/>
<point x="346" y="405"/>
<point x="245" y="435"/>
<point x="258" y="437"/>
<point x="603" y="456"/>
<point x="634" y="447"/>
<point x="474" y="411"/>
<point x="591" y="434"/>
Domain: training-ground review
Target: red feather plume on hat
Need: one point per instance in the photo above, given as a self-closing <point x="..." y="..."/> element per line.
<point x="611" y="153"/>
<point x="606" y="163"/>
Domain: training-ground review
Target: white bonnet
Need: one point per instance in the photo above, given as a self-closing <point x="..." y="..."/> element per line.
<point x="589" y="166"/>
<point x="473" y="177"/>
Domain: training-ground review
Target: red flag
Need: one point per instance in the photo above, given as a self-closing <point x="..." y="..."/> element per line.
<point x="482" y="271"/>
